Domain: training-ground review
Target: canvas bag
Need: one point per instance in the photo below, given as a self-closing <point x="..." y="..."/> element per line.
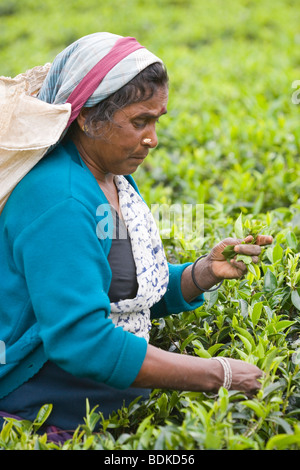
<point x="28" y="126"/>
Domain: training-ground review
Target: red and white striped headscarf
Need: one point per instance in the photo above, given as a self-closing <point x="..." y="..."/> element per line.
<point x="92" y="68"/>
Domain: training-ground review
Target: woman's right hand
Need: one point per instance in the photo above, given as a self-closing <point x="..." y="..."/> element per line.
<point x="245" y="376"/>
<point x="168" y="370"/>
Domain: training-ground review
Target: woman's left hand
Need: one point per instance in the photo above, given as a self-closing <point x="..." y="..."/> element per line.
<point x="222" y="269"/>
<point x="214" y="267"/>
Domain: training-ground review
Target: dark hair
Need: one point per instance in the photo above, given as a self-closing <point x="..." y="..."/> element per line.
<point x="142" y="87"/>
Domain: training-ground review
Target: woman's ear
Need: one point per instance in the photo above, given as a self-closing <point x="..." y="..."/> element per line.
<point x="81" y="118"/>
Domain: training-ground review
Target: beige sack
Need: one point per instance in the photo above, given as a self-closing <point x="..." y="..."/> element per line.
<point x="28" y="127"/>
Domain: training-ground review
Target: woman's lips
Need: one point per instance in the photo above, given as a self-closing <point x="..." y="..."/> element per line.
<point x="139" y="157"/>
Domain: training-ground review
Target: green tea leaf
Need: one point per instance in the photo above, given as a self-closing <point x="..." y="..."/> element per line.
<point x="229" y="252"/>
<point x="255" y="270"/>
<point x="238" y="227"/>
<point x="188" y="340"/>
<point x="277" y="253"/>
<point x="245" y="258"/>
<point x="43" y="414"/>
<point x="283" y="441"/>
<point x="282" y="325"/>
<point x="144" y="424"/>
<point x="268" y="360"/>
<point x="256" y="229"/>
<point x="245" y="334"/>
<point x="258" y="408"/>
<point x="291" y="240"/>
<point x="256" y="312"/>
<point x="295" y="297"/>
<point x="270" y="281"/>
<point x="247" y="343"/>
<point x="213" y="349"/>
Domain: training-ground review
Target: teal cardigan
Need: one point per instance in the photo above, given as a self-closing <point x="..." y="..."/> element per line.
<point x="54" y="280"/>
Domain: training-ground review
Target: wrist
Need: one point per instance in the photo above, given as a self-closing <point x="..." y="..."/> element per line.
<point x="203" y="275"/>
<point x="215" y="376"/>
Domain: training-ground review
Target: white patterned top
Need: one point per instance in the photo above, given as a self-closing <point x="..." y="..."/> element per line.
<point x="151" y="265"/>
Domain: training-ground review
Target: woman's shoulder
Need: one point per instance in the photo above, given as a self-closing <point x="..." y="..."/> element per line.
<point x="58" y="177"/>
<point x="43" y="185"/>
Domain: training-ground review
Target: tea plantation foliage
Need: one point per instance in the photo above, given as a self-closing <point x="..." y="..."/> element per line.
<point x="229" y="144"/>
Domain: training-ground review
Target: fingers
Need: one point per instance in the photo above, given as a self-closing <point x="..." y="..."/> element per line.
<point x="264" y="240"/>
<point x="261" y="240"/>
<point x="248" y="239"/>
<point x="240" y="246"/>
<point x="241" y="268"/>
<point x="246" y="249"/>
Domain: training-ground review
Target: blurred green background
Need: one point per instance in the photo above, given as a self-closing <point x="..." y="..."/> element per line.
<point x="231" y="136"/>
<point x="230" y="140"/>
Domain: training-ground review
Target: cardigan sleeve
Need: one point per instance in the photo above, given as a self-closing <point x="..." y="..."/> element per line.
<point x="173" y="301"/>
<point x="68" y="275"/>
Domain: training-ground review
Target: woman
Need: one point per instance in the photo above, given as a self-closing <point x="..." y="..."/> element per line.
<point x="83" y="269"/>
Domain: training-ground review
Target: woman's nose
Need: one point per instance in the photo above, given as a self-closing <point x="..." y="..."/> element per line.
<point x="150" y="140"/>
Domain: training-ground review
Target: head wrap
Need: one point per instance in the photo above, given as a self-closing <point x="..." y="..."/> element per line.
<point x="38" y="106"/>
<point x="92" y="68"/>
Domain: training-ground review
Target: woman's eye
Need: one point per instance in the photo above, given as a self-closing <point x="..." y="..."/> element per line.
<point x="139" y="124"/>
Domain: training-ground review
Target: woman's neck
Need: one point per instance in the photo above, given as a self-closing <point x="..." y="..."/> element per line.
<point x="101" y="176"/>
<point x="105" y="180"/>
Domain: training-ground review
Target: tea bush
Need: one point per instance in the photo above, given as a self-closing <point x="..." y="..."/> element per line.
<point x="230" y="143"/>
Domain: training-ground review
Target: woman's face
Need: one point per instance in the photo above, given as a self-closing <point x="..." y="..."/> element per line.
<point x="122" y="146"/>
